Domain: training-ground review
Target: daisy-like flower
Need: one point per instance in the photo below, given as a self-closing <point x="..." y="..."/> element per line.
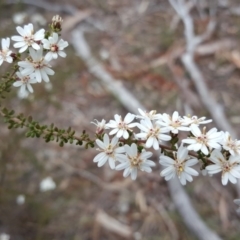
<point x="55" y="47"/>
<point x="37" y="66"/>
<point x="100" y="125"/>
<point x="203" y="141"/>
<point x="133" y="160"/>
<point x="188" y="120"/>
<point x="109" y="151"/>
<point x="28" y="38"/>
<point x="180" y="166"/>
<point x="230" y="168"/>
<point x="121" y="127"/>
<point x="152" y="115"/>
<point x="233" y="146"/>
<point x="24" y="82"/>
<point x="5" y="53"/>
<point x="173" y="123"/>
<point x="153" y="133"/>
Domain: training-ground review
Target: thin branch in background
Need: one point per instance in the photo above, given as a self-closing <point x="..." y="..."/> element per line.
<point x="166" y="218"/>
<point x="190" y="218"/>
<point x="113" y="225"/>
<point x="59" y="8"/>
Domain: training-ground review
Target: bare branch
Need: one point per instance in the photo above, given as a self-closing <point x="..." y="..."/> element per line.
<point x="114" y="86"/>
<point x="189" y="215"/>
<point x="59" y="8"/>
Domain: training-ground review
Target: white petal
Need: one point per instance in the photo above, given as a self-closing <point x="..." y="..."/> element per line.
<point x="195" y="130"/>
<point x="125" y="134"/>
<point x="99" y="157"/>
<point x="204" y="149"/>
<point x="167" y="171"/>
<point x="134" y="174"/>
<point x="102" y="161"/>
<point x="111" y="163"/>
<point x="17" y="84"/>
<point x="126" y="172"/>
<point x="225" y="178"/>
<point x="129" y="118"/>
<point x="114" y="131"/>
<point x="120" y="133"/>
<point x="155" y="144"/>
<point x="29" y="87"/>
<point x="122" y="166"/>
<point x="191" y="171"/>
<point x="146" y="155"/>
<point x="175" y="116"/>
<point x="101" y="144"/>
<point x="149" y="142"/>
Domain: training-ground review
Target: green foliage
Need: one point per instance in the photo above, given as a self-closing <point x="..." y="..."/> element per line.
<point x="49" y="133"/>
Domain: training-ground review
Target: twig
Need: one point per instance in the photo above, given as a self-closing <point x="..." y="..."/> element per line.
<point x="168" y="221"/>
<point x="114" y="186"/>
<point x="113" y="225"/>
<point x="59" y="8"/>
<point x="114" y="86"/>
<point x="188" y="213"/>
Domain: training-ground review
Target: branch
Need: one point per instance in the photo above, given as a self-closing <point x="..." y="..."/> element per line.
<point x="115" y="87"/>
<point x="59" y="8"/>
<point x="132" y="104"/>
<point x="188" y="213"/>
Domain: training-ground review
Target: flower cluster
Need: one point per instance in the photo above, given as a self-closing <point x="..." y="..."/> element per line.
<point x="135" y="136"/>
<point x="36" y="50"/>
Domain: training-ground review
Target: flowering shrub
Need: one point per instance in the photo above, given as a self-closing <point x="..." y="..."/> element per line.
<point x="214" y="150"/>
<point x="179" y="140"/>
<point x="33" y="66"/>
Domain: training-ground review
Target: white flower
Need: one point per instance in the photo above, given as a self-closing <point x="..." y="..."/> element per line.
<point x="173" y="123"/>
<point x="18" y="18"/>
<point x="20" y="199"/>
<point x="180" y="166"/>
<point x="133" y="160"/>
<point x="233" y="146"/>
<point x="55" y="47"/>
<point x="230" y="168"/>
<point x="38" y="19"/>
<point x="188" y="120"/>
<point x="109" y="151"/>
<point x="47" y="184"/>
<point x="4" y="236"/>
<point x="121" y="127"/>
<point x="152" y="115"/>
<point x="5" y="53"/>
<point x="100" y="125"/>
<point x="28" y="38"/>
<point x="37" y="66"/>
<point x="203" y="141"/>
<point x="24" y="82"/>
<point x="153" y="133"/>
<point x="237" y="201"/>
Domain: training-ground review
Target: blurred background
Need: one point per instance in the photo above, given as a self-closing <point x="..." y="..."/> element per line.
<point x="53" y="193"/>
